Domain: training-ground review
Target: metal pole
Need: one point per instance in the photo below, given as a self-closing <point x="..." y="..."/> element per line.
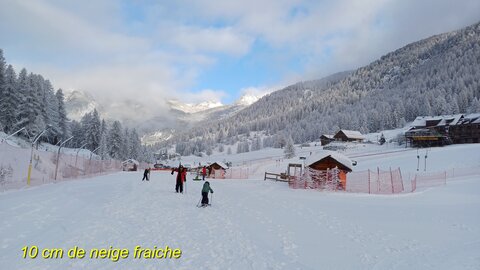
<point x="426" y="154"/>
<point x="418" y="161"/>
<point x="76" y="157"/>
<point x="31" y="157"/>
<point x="58" y="156"/>
<point x="90" y="160"/>
<point x="12" y="134"/>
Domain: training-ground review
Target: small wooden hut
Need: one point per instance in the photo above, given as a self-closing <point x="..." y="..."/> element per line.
<point x="329" y="160"/>
<point x="216" y="170"/>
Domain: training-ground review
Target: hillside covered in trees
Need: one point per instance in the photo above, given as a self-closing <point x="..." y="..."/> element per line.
<point x="434" y="76"/>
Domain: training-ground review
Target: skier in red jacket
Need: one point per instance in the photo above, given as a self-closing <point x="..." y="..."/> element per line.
<point x="204" y="172"/>
<point x="181" y="177"/>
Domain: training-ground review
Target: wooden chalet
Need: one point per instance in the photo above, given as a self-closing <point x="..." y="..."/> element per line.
<point x="326" y="139"/>
<point x="215" y="169"/>
<point x="349" y="136"/>
<point x="328" y="160"/>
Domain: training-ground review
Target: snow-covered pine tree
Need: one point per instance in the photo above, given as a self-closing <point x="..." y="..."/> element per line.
<point x="37" y="123"/>
<point x="9" y="100"/>
<point x="289" y="148"/>
<point x="92" y="130"/>
<point x="51" y="107"/>
<point x="3" y="89"/>
<point x="62" y="115"/>
<point x="135" y="145"/>
<point x="103" y="151"/>
<point x="126" y="144"/>
<point x="474" y="106"/>
<point x="23" y="111"/>
<point x="115" y="141"/>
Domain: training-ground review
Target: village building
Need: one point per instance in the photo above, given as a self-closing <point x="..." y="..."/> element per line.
<point x="326" y="139"/>
<point x="349" y="136"/>
<point x="328" y="161"/>
<point x="216" y="170"/>
<point x="442" y="130"/>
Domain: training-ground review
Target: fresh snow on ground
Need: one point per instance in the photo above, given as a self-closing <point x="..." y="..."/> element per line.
<point x="253" y="224"/>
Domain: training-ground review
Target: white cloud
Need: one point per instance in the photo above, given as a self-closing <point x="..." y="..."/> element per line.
<point x="210" y="95"/>
<point x="209" y="40"/>
<point x="157" y="56"/>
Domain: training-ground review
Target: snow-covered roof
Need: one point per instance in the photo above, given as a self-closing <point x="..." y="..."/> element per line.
<point x="130" y="160"/>
<point x="473" y="118"/>
<point x="344" y="160"/>
<point x="221" y="164"/>
<point x="353" y="134"/>
<point x="328" y="136"/>
<point x="453" y="119"/>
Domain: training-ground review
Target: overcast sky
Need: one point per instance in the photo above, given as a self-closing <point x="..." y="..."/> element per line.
<point x="150" y="51"/>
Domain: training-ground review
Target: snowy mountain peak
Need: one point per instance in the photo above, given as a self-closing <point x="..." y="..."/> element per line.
<point x="247" y="100"/>
<point x="194" y="108"/>
<point x="78" y="103"/>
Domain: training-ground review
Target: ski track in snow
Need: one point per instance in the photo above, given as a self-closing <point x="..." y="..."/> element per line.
<point x="252" y="224"/>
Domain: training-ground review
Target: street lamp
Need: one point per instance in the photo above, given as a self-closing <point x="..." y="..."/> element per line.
<point x="31" y="154"/>
<point x="58" y="156"/>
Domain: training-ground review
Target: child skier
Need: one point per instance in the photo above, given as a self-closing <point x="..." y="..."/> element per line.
<point x="206" y="188"/>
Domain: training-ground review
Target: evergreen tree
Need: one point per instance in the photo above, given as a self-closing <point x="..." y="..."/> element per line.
<point x="116" y="141"/>
<point x="77" y="133"/>
<point x="103" y="151"/>
<point x="289" y="149"/>
<point x="126" y="148"/>
<point x="3" y="90"/>
<point x="23" y="111"/>
<point x="93" y="133"/>
<point x="135" y="145"/>
<point x="62" y="115"/>
<point x="9" y="100"/>
<point x="50" y="104"/>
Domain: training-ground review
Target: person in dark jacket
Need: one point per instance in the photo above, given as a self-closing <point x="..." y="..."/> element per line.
<point x="146" y="174"/>
<point x="181" y="177"/>
<point x="206" y="188"/>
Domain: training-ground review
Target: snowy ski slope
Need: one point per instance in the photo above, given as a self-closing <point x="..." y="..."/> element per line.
<point x="252" y="224"/>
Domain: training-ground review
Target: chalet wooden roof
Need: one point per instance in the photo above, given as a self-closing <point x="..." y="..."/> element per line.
<point x="352" y="134"/>
<point x="344" y="160"/>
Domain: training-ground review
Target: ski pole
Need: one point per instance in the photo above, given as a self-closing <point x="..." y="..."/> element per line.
<point x="211" y="199"/>
<point x="199" y="202"/>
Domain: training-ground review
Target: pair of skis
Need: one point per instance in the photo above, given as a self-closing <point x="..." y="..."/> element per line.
<point x="200" y="205"/>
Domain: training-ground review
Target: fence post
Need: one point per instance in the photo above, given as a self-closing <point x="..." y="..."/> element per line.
<point x="414" y="183"/>
<point x="369" y="181"/>
<point x="378" y="180"/>
<point x="401" y="179"/>
<point x="391" y="180"/>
